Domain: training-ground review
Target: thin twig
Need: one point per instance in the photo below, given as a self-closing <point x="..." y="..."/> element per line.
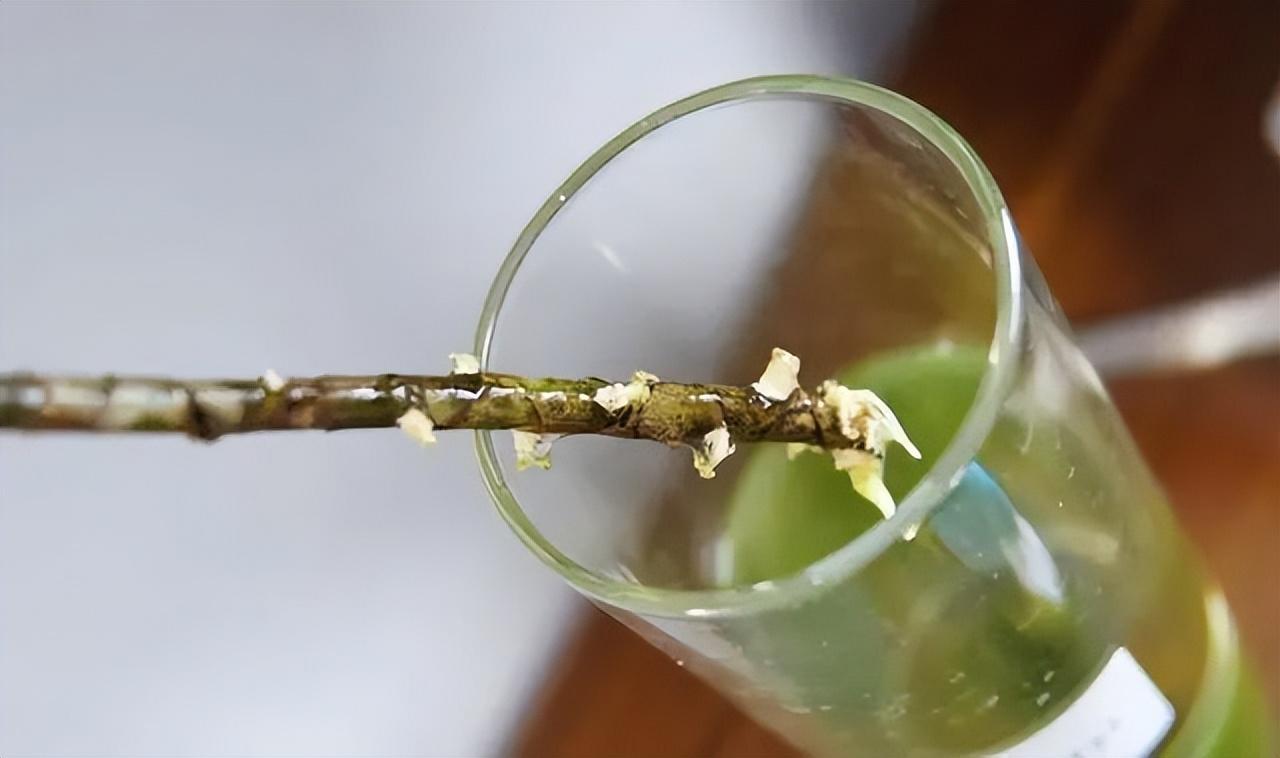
<point x="673" y="413"/>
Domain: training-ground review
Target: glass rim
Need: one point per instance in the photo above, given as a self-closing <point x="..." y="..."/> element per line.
<point x="927" y="493"/>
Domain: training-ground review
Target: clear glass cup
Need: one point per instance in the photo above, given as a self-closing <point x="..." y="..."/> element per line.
<point x="1032" y="594"/>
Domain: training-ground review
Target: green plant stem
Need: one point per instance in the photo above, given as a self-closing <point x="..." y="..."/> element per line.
<point x="674" y="413"/>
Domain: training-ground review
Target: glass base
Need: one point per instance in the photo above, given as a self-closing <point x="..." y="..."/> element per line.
<point x="1229" y="718"/>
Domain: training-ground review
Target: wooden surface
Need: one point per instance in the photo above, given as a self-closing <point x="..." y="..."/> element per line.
<point x="1127" y="138"/>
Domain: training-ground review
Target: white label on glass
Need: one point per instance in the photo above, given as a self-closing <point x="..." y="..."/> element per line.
<point x="1121" y="715"/>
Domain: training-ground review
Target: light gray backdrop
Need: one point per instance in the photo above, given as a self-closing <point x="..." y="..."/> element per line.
<point x="218" y="189"/>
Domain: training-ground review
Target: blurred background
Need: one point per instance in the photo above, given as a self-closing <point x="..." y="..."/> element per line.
<point x="217" y="189"/>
